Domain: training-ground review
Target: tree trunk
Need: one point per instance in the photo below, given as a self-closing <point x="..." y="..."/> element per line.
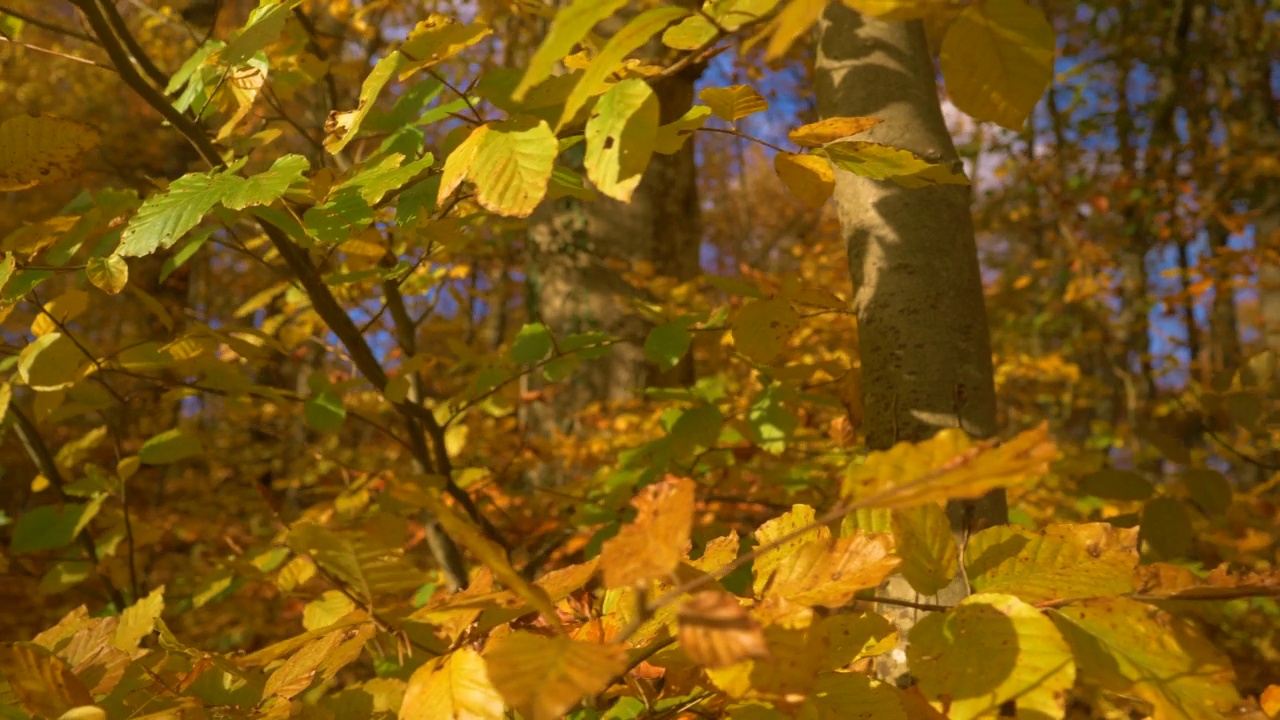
<point x="580" y="253"/>
<point x="925" y="347"/>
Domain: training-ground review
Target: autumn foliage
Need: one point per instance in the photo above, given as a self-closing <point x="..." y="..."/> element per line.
<point x="286" y="432"/>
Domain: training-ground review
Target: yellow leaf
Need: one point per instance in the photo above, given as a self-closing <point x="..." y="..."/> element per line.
<point x="109" y="274"/>
<point x="794" y="520"/>
<point x="512" y="165"/>
<point x="794" y="20"/>
<point x="882" y="162"/>
<point x="138" y="620"/>
<point x="830" y="130"/>
<point x="542" y="677"/>
<point x="651" y="547"/>
<point x="1059" y="562"/>
<point x="671" y="137"/>
<point x="716" y="631"/>
<point x="437" y="39"/>
<point x="459" y="161"/>
<point x="40" y="148"/>
<point x="620" y="138"/>
<point x="808" y="177"/>
<point x="59" y="311"/>
<point x="569" y="26"/>
<point x="988" y="650"/>
<point x="828" y="572"/>
<point x="43" y="682"/>
<point x="1270" y="700"/>
<point x="734" y="102"/>
<point x="454" y="686"/>
<point x="898" y="9"/>
<point x="997" y="59"/>
<point x="342" y="127"/>
<point x="330" y="607"/>
<point x="949" y="466"/>
<point x="762" y="327"/>
<point x="51" y="362"/>
<point x="1132" y="648"/>
<point x="924" y="541"/>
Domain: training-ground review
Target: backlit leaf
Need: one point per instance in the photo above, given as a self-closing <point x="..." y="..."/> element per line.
<point x="808" y="177"/>
<point x="794" y="21"/>
<point x="138" y="620"/>
<point x="928" y="550"/>
<point x="51" y="362"/>
<point x="830" y="130"/>
<point x="267" y="186"/>
<point x="897" y="9"/>
<point x="1131" y="648"/>
<point x="532" y="343"/>
<point x="881" y="162"/>
<point x="109" y="274"/>
<point x="988" y="650"/>
<point x="43" y="683"/>
<point x="454" y="686"/>
<point x="650" y="547"/>
<point x="636" y="33"/>
<point x="734" y="102"/>
<point x="542" y="677"/>
<point x="1056" y="563"/>
<point x="672" y="136"/>
<point x="997" y="59"/>
<point x="570" y="26"/>
<point x="263" y="28"/>
<point x="668" y="343"/>
<point x="342" y="127"/>
<point x="438" y="38"/>
<point x="948" y="467"/>
<point x="620" y="138"/>
<point x="165" y="217"/>
<point x="512" y="165"/>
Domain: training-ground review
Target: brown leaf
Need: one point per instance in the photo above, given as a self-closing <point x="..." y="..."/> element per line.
<point x="716" y="631"/>
<point x="651" y="547"/>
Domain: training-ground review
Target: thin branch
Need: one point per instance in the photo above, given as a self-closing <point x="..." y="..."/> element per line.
<point x="55" y="53"/>
<point x="44" y="461"/>
<point x="743" y="136"/>
<point x="300" y="263"/>
<point x="121" y="29"/>
<point x="930" y="607"/>
<point x="46" y="25"/>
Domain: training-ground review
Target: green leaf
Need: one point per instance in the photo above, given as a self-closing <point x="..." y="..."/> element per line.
<point x="165" y="217"/>
<point x="1166" y="528"/>
<point x="49" y="527"/>
<point x="570" y="26"/>
<point x="169" y="447"/>
<point x="109" y="274"/>
<point x="997" y="59"/>
<point x="1060" y="562"/>
<point x="138" y="620"/>
<point x="696" y="429"/>
<point x="1132" y="648"/>
<point x="1209" y="489"/>
<point x="922" y="536"/>
<point x="734" y="102"/>
<point x="332" y="221"/>
<point x="672" y="136"/>
<point x="7" y="264"/>
<point x="343" y="127"/>
<point x="730" y="15"/>
<point x="386" y="176"/>
<point x="881" y="162"/>
<point x="263" y="27"/>
<point x="532" y="343"/>
<point x="771" y="423"/>
<point x="51" y="362"/>
<point x="620" y="138"/>
<point x="668" y="343"/>
<point x="636" y="33"/>
<point x="1112" y="484"/>
<point x="267" y="186"/>
<point x="325" y="412"/>
<point x="988" y="650"/>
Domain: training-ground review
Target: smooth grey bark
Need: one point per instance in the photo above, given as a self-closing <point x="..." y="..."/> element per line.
<point x="924" y="342"/>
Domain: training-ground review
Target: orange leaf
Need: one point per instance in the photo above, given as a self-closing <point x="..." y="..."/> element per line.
<point x="716" y="631"/>
<point x="652" y="546"/>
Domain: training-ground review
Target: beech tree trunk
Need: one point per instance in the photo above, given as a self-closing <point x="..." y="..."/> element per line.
<point x="925" y="346"/>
